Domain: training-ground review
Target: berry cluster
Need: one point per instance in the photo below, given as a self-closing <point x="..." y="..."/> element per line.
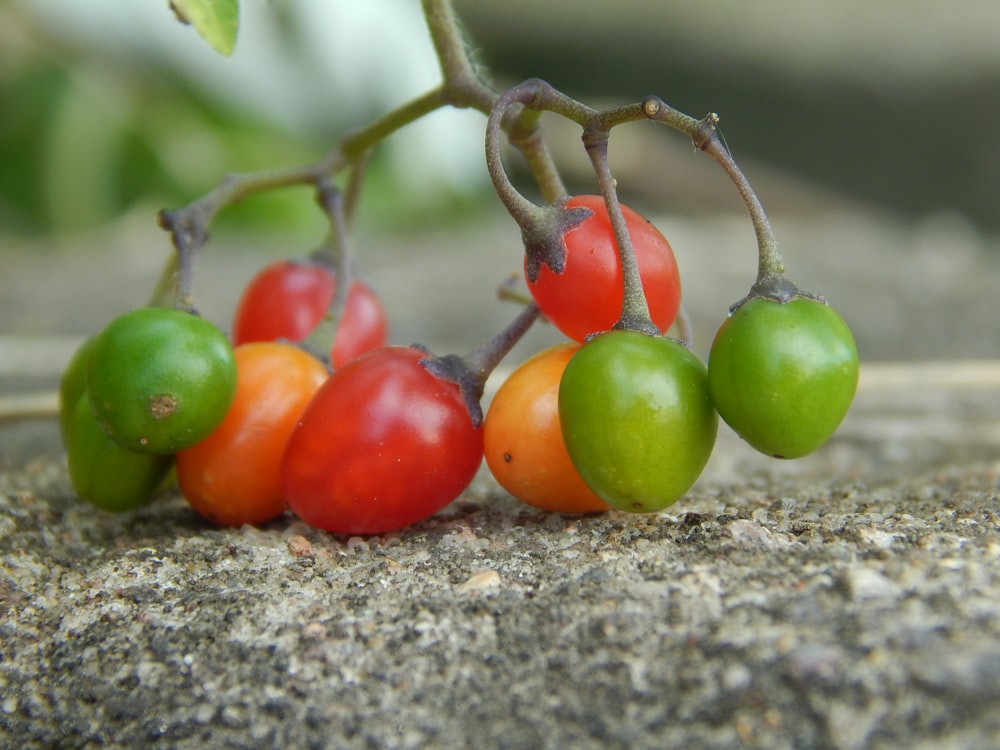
<point x="307" y="408"/>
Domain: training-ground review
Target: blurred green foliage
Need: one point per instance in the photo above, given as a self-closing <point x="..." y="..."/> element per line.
<point x="88" y="134"/>
<point x="85" y="137"/>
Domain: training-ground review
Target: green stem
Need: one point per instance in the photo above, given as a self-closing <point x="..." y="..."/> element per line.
<point x="770" y="265"/>
<point x="356" y="144"/>
<point x="354" y="147"/>
<point x="771" y="280"/>
<point x="319" y="342"/>
<point x="525" y="134"/>
<point x="352" y="191"/>
<point x="463" y="88"/>
<point x="471" y="372"/>
<point x="635" y="309"/>
<point x="165" y="292"/>
<point x="189" y="225"/>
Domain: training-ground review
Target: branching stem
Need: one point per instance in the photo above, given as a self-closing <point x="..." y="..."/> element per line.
<point x="189" y="225"/>
<point x="470" y="372"/>
<point x="517" y="114"/>
<point x="461" y="87"/>
<point x="338" y="256"/>
<point x="771" y="280"/>
<point x="543" y="227"/>
<point x="635" y="309"/>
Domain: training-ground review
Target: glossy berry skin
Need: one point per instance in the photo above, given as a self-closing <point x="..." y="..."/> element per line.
<point x="160" y="380"/>
<point x="383" y="444"/>
<point x="523" y="440"/>
<point x="587" y="296"/>
<point x="637" y="419"/>
<point x="73" y="386"/>
<point x="287" y="299"/>
<point x="103" y="473"/>
<point x="233" y="476"/>
<point x="783" y="374"/>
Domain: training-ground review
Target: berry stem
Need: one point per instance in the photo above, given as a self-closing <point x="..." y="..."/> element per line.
<point x="542" y="227"/>
<point x="771" y="280"/>
<point x="510" y="290"/>
<point x="635" y="309"/>
<point x="685" y="333"/>
<point x="165" y="292"/>
<point x="770" y="264"/>
<point x="461" y="87"/>
<point x="470" y="372"/>
<point x="336" y="254"/>
<point x="485" y="358"/>
<point x="520" y="208"/>
<point x="525" y="134"/>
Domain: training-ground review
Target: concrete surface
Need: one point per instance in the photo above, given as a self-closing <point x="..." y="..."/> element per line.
<point x="845" y="600"/>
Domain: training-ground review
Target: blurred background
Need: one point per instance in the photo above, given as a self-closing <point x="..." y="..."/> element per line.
<point x="111" y="102"/>
<point x="867" y="128"/>
<point x="895" y="103"/>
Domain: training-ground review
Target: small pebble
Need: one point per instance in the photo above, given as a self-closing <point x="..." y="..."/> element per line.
<point x="484" y="579"/>
<point x="299" y="546"/>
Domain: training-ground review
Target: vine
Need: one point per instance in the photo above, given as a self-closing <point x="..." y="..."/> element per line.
<point x="386" y="435"/>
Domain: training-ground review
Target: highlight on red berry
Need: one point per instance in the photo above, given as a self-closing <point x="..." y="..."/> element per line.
<point x="307" y="409"/>
<point x="586" y="298"/>
<point x="383" y="444"/>
<point x="287" y="299"/>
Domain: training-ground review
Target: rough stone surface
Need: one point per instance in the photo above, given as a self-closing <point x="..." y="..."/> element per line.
<point x="848" y="600"/>
<point x="844" y="600"/>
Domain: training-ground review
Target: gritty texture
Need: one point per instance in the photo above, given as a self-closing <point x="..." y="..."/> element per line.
<point x="848" y="600"/>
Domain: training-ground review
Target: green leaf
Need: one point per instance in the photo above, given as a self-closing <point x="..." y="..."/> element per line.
<point x="216" y="21"/>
